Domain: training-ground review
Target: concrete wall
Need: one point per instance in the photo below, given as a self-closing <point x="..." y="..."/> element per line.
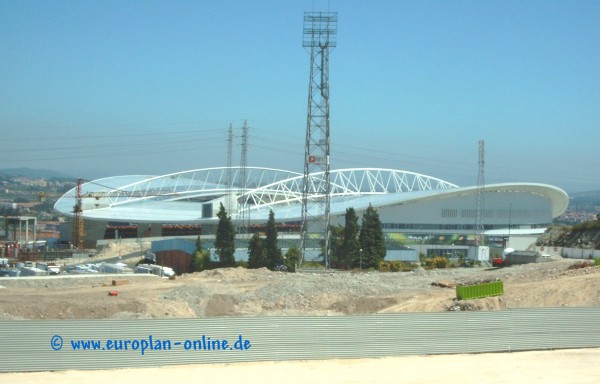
<point x="571" y="253"/>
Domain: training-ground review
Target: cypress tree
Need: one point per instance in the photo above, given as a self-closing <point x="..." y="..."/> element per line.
<point x="273" y="253"/>
<point x="336" y="249"/>
<point x="225" y="239"/>
<point x="371" y="239"/>
<point x="350" y="243"/>
<point x="256" y="252"/>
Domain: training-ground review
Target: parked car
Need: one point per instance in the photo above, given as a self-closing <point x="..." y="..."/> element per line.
<point x="81" y="269"/>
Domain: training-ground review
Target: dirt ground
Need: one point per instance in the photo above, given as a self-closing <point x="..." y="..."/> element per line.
<point x="242" y="292"/>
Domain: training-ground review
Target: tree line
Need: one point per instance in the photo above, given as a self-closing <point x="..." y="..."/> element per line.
<point x="351" y="246"/>
<point x="358" y="247"/>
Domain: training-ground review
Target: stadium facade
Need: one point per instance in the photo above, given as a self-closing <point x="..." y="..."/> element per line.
<point x="410" y="205"/>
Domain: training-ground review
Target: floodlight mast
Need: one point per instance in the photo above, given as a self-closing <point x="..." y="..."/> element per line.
<point x="319" y="37"/>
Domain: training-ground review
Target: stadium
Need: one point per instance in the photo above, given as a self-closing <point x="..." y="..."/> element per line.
<point x="412" y="207"/>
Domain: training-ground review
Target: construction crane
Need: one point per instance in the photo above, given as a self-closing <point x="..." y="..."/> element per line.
<point x="78" y="226"/>
<point x="78" y="230"/>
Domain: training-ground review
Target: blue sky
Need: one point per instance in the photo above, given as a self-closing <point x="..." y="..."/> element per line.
<point x="101" y="88"/>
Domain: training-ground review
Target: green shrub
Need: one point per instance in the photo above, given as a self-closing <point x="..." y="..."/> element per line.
<point x="201" y="261"/>
<point x="291" y="258"/>
<point x="587" y="225"/>
<point x="436" y="262"/>
<point x="395" y="266"/>
<point x="312" y="264"/>
<point x="384" y="266"/>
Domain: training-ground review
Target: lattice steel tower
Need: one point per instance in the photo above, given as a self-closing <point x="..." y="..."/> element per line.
<point x="244" y="217"/>
<point x="229" y="170"/>
<point x="319" y="37"/>
<point x="480" y="229"/>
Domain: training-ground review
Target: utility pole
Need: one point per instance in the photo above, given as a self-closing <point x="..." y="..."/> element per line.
<point x="480" y="228"/>
<point x="229" y="170"/>
<point x="319" y="37"/>
<point x="243" y="202"/>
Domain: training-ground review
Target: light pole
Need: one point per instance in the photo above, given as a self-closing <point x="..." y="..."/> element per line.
<point x="360" y="257"/>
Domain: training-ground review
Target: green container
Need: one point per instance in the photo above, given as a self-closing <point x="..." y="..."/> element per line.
<point x="468" y="292"/>
<point x="597" y="261"/>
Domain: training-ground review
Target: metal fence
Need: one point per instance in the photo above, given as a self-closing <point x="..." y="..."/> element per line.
<point x="102" y="344"/>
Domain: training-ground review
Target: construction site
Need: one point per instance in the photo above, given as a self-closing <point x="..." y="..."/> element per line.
<point x="126" y="253"/>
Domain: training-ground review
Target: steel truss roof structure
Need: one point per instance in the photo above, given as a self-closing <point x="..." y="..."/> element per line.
<point x="179" y="197"/>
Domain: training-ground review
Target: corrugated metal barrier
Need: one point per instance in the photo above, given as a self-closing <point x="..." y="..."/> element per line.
<point x="101" y="344"/>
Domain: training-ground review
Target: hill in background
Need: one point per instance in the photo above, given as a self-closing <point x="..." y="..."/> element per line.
<point x="35" y="173"/>
<point x="585" y="201"/>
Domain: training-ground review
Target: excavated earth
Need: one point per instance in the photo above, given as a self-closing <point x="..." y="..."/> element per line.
<point x="244" y="292"/>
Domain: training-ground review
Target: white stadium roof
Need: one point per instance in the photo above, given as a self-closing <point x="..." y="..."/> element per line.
<point x="180" y="197"/>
